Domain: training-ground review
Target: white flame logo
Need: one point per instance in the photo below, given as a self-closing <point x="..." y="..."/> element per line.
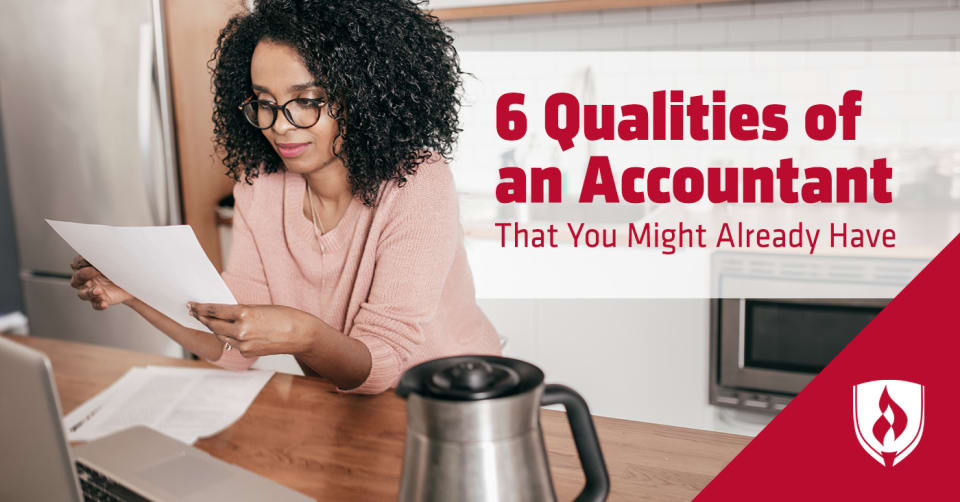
<point x="888" y="429"/>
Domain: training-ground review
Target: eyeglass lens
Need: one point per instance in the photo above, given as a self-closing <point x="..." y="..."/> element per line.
<point x="300" y="112"/>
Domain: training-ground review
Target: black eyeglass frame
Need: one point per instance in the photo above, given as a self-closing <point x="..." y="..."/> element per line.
<point x="286" y="113"/>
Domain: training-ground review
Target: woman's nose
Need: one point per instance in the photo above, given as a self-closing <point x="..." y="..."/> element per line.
<point x="282" y="124"/>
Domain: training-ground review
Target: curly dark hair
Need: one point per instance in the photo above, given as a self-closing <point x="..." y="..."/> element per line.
<point x="389" y="69"/>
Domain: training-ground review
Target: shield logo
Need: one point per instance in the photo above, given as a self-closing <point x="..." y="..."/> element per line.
<point x="888" y="418"/>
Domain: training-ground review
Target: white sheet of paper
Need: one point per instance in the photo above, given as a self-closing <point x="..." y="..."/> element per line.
<point x="164" y="267"/>
<point x="183" y="403"/>
<point x="83" y="413"/>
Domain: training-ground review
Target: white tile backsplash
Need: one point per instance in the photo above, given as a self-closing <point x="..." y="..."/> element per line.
<point x="912" y="4"/>
<point x="726" y="9"/>
<point x="652" y="35"/>
<point x="866" y="25"/>
<point x="838" y="5"/>
<point x="557" y="40"/>
<point x="513" y="41"/>
<point x="610" y="38"/>
<point x="587" y="18"/>
<point x="540" y="22"/>
<point x="736" y="25"/>
<point x="780" y="46"/>
<point x="624" y="16"/>
<point x="937" y="22"/>
<point x="754" y="30"/>
<point x="490" y="25"/>
<point x="773" y="7"/>
<point x="459" y="27"/>
<point x="474" y="42"/>
<point x="702" y="33"/>
<point x="815" y="27"/>
<point x="913" y="44"/>
<point x="838" y="45"/>
<point x="674" y="13"/>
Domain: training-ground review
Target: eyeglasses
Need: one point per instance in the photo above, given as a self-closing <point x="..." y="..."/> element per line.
<point x="301" y="112"/>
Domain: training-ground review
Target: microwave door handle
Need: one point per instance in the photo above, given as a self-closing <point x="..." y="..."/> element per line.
<point x="742" y="334"/>
<point x="145" y="115"/>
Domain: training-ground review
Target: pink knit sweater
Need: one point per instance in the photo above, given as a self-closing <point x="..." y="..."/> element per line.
<point x="394" y="277"/>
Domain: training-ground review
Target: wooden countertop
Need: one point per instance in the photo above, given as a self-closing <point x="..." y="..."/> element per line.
<point x="304" y="434"/>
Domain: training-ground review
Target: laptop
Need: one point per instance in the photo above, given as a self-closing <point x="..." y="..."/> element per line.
<point x="135" y="464"/>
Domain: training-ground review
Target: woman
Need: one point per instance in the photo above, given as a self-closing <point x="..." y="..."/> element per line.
<point x="335" y="119"/>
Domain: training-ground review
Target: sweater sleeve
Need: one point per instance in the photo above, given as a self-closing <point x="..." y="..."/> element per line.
<point x="414" y="256"/>
<point x="244" y="271"/>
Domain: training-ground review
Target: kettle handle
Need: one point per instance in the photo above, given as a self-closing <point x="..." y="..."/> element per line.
<point x="597" y="486"/>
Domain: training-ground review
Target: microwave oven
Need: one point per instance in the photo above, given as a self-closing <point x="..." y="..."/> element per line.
<point x="768" y="350"/>
<point x="764" y="349"/>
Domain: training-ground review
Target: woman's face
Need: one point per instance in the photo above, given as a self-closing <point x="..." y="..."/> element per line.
<point x="279" y="75"/>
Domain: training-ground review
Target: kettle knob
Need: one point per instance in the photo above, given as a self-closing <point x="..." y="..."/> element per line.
<point x="471" y="375"/>
<point x="469" y="378"/>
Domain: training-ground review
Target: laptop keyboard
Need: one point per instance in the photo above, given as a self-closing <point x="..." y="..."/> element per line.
<point x="96" y="487"/>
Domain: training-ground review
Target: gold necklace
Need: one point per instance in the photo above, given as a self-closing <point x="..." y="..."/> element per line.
<point x="318" y="229"/>
<point x="317" y="226"/>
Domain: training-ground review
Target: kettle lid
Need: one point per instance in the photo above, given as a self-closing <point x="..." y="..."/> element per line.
<point x="470" y="378"/>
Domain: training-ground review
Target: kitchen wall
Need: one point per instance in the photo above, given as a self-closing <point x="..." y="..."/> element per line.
<point x="648" y="359"/>
<point x="747" y="25"/>
<point x="643" y="359"/>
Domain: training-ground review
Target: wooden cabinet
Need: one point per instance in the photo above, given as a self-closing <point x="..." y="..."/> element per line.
<point x="192" y="30"/>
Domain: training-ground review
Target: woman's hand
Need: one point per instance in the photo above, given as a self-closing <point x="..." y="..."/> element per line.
<point x="259" y="330"/>
<point x="94" y="287"/>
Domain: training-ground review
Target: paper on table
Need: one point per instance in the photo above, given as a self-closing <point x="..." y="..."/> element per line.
<point x="164" y="267"/>
<point x="183" y="403"/>
<point x="81" y="414"/>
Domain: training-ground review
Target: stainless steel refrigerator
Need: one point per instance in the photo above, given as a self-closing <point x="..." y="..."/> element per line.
<point x="87" y="126"/>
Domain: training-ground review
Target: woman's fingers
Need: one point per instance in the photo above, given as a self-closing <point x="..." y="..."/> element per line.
<point x="219" y="326"/>
<point x="218" y="310"/>
<point x="89" y="291"/>
<point x="228" y="325"/>
<point x="92" y="286"/>
<point x="85" y="293"/>
<point x="94" y="295"/>
<point x="79" y="262"/>
<point x="83" y="275"/>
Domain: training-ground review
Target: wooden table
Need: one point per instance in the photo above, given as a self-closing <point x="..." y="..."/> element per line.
<point x="304" y="434"/>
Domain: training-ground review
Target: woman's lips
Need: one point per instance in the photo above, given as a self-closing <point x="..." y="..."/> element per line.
<point x="290" y="150"/>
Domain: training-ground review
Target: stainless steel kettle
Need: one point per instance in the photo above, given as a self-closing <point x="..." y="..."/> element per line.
<point x="473" y="432"/>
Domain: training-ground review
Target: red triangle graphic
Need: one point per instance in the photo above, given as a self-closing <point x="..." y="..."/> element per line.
<point x="810" y="450"/>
